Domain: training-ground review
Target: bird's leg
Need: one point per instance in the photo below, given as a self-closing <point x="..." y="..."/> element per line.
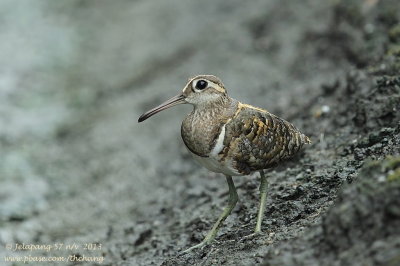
<point x="233" y="198"/>
<point x="263" y="197"/>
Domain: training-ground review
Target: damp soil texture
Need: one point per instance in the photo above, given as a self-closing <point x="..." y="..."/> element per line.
<point x="77" y="169"/>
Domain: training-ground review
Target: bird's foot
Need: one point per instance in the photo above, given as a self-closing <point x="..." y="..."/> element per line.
<point x="201" y="245"/>
<point x="251" y="236"/>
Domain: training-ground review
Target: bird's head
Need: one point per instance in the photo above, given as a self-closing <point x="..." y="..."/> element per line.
<point x="201" y="90"/>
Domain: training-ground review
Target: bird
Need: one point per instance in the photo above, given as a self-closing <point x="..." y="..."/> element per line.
<point x="231" y="138"/>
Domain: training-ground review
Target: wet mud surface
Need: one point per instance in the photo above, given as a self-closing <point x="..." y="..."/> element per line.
<point x="77" y="168"/>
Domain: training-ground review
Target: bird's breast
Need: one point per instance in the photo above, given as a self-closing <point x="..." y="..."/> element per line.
<point x="206" y="144"/>
<point x="201" y="135"/>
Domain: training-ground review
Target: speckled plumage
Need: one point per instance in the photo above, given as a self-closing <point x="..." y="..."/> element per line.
<point x="256" y="139"/>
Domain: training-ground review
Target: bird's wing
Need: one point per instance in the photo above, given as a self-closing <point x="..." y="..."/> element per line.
<point x="256" y="139"/>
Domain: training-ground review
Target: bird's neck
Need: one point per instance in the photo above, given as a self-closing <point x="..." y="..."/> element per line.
<point x="213" y="112"/>
<point x="217" y="106"/>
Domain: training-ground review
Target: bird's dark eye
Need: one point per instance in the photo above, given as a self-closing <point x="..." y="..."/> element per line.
<point x="201" y="84"/>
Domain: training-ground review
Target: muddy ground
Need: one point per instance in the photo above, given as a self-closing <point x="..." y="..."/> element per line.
<point x="77" y="168"/>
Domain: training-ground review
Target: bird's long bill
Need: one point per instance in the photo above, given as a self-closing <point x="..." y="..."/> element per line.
<point x="178" y="99"/>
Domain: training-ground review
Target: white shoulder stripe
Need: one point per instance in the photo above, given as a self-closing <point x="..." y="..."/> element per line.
<point x="219" y="145"/>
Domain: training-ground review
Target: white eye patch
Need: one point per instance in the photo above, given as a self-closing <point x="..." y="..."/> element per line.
<point x="199" y="85"/>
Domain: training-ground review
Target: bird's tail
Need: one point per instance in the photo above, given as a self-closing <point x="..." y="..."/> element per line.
<point x="305" y="139"/>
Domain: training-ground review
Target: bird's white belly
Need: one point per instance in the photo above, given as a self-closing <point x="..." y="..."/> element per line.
<point x="212" y="164"/>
